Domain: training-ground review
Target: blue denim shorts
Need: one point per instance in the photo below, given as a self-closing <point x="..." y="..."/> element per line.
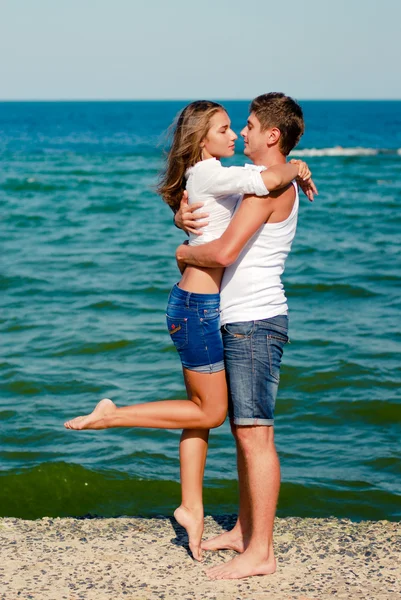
<point x="253" y="351"/>
<point x="193" y="322"/>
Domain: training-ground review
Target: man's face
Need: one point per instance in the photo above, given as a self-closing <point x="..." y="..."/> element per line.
<point x="255" y="140"/>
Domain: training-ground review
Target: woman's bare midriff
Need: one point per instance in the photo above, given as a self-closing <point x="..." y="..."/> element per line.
<point x="199" y="280"/>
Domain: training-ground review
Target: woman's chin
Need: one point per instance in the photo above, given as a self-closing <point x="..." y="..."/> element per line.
<point x="229" y="153"/>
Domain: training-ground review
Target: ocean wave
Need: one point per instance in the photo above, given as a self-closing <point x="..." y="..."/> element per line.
<point x="337" y="290"/>
<point x="31" y="184"/>
<point x="97" y="348"/>
<point x="341" y="151"/>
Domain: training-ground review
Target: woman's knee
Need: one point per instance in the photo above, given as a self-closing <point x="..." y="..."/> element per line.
<point x="218" y="421"/>
<point x="213" y="414"/>
<point x="217" y="416"/>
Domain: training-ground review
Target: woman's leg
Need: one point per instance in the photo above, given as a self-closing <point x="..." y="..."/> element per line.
<point x="206" y="408"/>
<point x="193" y="451"/>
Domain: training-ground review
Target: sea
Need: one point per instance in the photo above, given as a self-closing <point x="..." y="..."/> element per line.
<point x="87" y="262"/>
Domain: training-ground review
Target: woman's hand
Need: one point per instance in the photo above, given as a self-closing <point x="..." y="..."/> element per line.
<point x="304" y="172"/>
<point x="186" y="219"/>
<point x="308" y="187"/>
<point x="304" y="179"/>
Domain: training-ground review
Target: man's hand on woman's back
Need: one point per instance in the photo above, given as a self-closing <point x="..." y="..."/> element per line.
<point x="186" y="218"/>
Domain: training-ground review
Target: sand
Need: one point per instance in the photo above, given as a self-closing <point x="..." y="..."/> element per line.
<point x="138" y="559"/>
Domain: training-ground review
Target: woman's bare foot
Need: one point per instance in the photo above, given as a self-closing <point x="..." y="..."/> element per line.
<point x="192" y="521"/>
<point x="95" y="420"/>
<point x="229" y="540"/>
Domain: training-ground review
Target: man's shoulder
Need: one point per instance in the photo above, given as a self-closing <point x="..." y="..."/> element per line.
<point x="285" y="193"/>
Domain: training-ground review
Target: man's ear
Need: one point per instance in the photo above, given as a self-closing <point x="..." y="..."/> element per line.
<point x="274" y="136"/>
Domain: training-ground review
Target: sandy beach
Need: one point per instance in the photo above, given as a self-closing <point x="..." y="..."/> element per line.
<point x="136" y="558"/>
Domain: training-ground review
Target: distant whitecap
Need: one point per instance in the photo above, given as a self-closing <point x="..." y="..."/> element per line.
<point x="336" y="151"/>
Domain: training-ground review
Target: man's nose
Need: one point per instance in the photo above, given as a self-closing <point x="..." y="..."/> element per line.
<point x="244" y="132"/>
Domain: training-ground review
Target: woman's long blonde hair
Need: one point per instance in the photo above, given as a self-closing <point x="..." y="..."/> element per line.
<point x="192" y="126"/>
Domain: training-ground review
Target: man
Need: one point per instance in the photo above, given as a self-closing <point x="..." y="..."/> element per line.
<point x="254" y="324"/>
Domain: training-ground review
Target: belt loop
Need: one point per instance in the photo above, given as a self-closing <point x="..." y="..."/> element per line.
<point x="188" y="299"/>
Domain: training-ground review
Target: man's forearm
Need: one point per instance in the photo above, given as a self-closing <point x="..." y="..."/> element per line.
<point x="210" y="255"/>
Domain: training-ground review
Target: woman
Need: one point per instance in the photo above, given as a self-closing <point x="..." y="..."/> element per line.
<point x="201" y="137"/>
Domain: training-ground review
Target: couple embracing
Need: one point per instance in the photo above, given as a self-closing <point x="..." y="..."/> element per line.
<point x="227" y="316"/>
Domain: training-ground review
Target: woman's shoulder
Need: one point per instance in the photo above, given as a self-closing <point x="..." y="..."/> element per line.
<point x="203" y="167"/>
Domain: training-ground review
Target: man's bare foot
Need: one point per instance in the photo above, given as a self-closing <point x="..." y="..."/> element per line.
<point x="229" y="540"/>
<point x="192" y="521"/>
<point x="95" y="420"/>
<point x="247" y="564"/>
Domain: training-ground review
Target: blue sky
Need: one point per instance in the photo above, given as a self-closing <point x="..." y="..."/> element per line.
<point x="179" y="49"/>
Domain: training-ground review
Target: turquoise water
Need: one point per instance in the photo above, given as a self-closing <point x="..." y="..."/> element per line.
<point x="86" y="266"/>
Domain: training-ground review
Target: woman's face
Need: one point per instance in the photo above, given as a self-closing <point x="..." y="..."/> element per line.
<point x="220" y="139"/>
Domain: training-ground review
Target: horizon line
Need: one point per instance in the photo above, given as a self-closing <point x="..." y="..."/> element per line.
<point x="190" y="99"/>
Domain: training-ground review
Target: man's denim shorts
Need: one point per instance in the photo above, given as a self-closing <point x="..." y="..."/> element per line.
<point x="253" y="351"/>
<point x="193" y="321"/>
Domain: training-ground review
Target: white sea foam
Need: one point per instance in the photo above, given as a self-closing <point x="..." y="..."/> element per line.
<point x="338" y="151"/>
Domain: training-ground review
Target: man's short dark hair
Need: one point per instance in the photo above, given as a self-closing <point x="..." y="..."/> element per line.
<point x="281" y="111"/>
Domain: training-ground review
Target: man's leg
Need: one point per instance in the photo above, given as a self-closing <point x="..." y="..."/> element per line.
<point x="253" y="358"/>
<point x="263" y="477"/>
<point x="262" y="466"/>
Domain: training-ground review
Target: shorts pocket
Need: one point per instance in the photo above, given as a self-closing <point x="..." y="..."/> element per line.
<point x="239" y="330"/>
<point x="178" y="330"/>
<point x="275" y="348"/>
<point x="209" y="314"/>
